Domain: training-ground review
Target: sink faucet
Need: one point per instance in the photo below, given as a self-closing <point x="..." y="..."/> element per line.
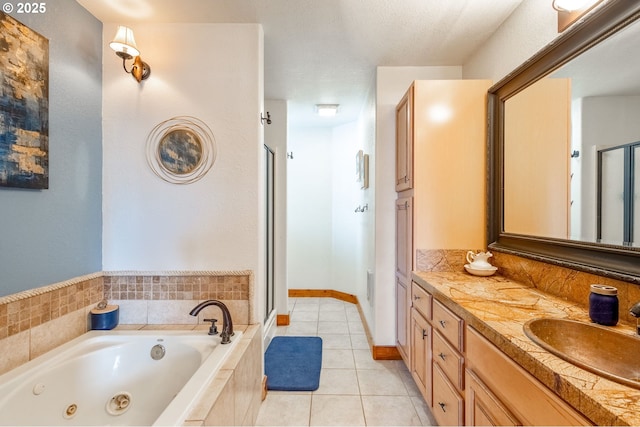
<point x="227" y="323"/>
<point x="635" y="312"/>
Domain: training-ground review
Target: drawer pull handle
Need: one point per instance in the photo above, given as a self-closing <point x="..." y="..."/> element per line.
<point x="416" y="297"/>
<point x="442" y="356"/>
<point x="443" y="323"/>
<point x="442" y="405"/>
<point x="424" y="333"/>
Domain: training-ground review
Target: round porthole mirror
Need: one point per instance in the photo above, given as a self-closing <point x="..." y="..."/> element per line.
<point x="181" y="150"/>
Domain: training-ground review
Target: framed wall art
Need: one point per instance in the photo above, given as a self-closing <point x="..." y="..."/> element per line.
<point x="24" y="106"/>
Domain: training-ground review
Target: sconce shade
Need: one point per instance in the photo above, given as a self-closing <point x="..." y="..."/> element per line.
<point x="124" y="44"/>
<point x="568" y="5"/>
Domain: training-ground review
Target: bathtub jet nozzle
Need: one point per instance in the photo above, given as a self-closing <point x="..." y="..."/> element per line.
<point x="227" y="323"/>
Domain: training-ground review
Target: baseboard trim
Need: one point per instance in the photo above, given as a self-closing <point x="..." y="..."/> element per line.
<point x="323" y="293"/>
<point x="377" y="352"/>
<point x="283" y="320"/>
<point x="385" y="353"/>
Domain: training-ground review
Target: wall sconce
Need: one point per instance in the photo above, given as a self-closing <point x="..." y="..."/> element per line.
<point x="125" y="47"/>
<point x="569" y="11"/>
<point x="327" y="110"/>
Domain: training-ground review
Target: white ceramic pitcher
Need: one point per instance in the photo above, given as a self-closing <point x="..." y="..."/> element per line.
<point x="479" y="260"/>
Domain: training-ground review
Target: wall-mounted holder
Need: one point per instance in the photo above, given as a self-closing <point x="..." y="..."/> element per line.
<point x="267" y="119"/>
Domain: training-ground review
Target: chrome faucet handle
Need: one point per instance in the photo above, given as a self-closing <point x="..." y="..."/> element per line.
<point x="213" y="330"/>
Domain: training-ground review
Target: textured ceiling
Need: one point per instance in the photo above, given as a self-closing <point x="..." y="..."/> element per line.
<point x="326" y="51"/>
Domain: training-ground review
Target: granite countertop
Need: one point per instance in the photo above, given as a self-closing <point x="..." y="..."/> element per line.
<point x="498" y="308"/>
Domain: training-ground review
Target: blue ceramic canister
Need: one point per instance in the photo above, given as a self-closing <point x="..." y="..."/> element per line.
<point x="105" y="317"/>
<point x="603" y="305"/>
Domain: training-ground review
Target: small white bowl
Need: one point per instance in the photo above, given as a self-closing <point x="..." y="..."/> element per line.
<point x="480" y="271"/>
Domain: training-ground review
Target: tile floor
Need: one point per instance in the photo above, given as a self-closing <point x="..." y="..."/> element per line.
<point x="355" y="390"/>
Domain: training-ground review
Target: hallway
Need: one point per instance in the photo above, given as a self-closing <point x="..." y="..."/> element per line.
<point x="355" y="390"/>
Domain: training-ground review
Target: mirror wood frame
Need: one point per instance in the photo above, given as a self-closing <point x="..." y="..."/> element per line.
<point x="617" y="262"/>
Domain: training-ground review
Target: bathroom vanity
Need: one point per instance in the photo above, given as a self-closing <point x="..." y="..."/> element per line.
<point x="475" y="365"/>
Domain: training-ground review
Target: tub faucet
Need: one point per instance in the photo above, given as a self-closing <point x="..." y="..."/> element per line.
<point x="635" y="312"/>
<point x="227" y="323"/>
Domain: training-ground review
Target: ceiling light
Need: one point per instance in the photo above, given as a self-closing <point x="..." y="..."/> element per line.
<point x="327" y="110"/>
<point x="125" y="47"/>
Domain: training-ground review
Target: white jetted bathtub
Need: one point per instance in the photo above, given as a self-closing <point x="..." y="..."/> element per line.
<point x="102" y="378"/>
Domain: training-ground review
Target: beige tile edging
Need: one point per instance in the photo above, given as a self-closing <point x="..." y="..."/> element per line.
<point x="234" y="395"/>
<point x="35" y="321"/>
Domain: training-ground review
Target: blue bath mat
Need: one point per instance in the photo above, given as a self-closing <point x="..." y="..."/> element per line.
<point x="293" y="363"/>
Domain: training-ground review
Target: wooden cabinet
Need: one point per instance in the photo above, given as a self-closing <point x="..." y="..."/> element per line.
<point x="483" y="407"/>
<point x="421" y="341"/>
<point x="404" y="142"/>
<point x="404" y="248"/>
<point x="440" y="178"/>
<point x="421" y="354"/>
<point x="403" y="304"/>
<point x="500" y="392"/>
<point x="448" y="325"/>
<point x="404" y="240"/>
<point x="448" y="366"/>
<point x="448" y="404"/>
<point x="421" y="300"/>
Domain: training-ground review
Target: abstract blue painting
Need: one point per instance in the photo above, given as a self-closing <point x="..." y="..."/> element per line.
<point x="24" y="106"/>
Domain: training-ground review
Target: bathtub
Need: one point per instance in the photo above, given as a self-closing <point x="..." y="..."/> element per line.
<point x="114" y="378"/>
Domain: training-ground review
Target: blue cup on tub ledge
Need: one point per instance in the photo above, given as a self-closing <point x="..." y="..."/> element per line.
<point x="105" y="316"/>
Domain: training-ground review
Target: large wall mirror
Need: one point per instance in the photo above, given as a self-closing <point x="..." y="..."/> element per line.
<point x="565" y="131"/>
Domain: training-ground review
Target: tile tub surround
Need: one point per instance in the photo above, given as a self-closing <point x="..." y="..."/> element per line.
<point x="498" y="307"/>
<point x="35" y="321"/>
<point x="167" y="298"/>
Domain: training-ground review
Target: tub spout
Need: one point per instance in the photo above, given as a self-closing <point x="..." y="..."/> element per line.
<point x="227" y="323"/>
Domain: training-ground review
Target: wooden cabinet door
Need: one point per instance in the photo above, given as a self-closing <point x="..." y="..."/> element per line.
<point x="526" y="397"/>
<point x="448" y="405"/>
<point x="421" y="354"/>
<point x="404" y="142"/>
<point x="483" y="408"/>
<point x="404" y="237"/>
<point x="402" y="320"/>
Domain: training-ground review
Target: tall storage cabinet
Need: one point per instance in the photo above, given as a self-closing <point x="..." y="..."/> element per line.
<point x="441" y="130"/>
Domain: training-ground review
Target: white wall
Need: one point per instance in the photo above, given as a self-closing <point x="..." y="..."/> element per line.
<point x="328" y="241"/>
<point x="391" y="85"/>
<point x="309" y="209"/>
<point x="530" y="27"/>
<point x="217" y="222"/>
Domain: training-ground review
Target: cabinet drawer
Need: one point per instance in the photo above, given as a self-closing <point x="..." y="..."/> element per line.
<point x="448" y="405"/>
<point x="449" y="325"/>
<point x="449" y="360"/>
<point x="421" y="300"/>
